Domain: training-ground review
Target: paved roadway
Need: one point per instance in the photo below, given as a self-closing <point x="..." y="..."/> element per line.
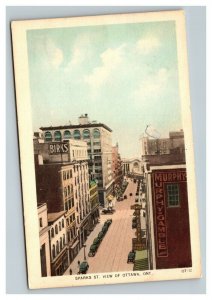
<point x="113" y="251"/>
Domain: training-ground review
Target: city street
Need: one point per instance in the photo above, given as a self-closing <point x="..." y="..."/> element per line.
<point x="116" y="244"/>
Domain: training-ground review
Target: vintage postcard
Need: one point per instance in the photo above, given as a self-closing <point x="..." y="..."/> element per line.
<point x="106" y="149"/>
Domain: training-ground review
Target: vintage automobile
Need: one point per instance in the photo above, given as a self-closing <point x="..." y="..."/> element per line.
<point x="108" y="222"/>
<point x="101" y="235"/>
<point x="83" y="267"/>
<point x="96" y="241"/>
<point x="125" y="196"/>
<point x="134" y="225"/>
<point x="93" y="250"/>
<point x="131" y="256"/>
<point x="108" y="211"/>
<point x="131" y="194"/>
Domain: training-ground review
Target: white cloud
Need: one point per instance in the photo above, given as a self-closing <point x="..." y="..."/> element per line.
<point x="147" y="45"/>
<point x="110" y="60"/>
<point x="54" y="54"/>
<point x="153" y="85"/>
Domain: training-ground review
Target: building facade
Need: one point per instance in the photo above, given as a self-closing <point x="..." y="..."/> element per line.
<point x="99" y="145"/>
<point x="173" y="144"/>
<point x="44" y="240"/>
<point x="58" y="243"/>
<point x="132" y="166"/>
<point x="62" y="181"/>
<point x="117" y="166"/>
<point x="168" y="229"/>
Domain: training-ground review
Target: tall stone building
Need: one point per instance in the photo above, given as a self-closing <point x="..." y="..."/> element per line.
<point x="99" y="143"/>
<point x="116" y="165"/>
<point x="62" y="182"/>
<point x="173" y="144"/>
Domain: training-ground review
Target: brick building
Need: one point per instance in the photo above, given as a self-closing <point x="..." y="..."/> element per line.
<point x="168" y="229"/>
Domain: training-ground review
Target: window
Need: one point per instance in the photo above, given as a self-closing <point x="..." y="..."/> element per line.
<point x="63" y="223"/>
<point x="48" y="136"/>
<point x="57" y="247"/>
<point x="77" y="135"/>
<point x="67" y="134"/>
<point x="64" y="239"/>
<point x="56" y="229"/>
<point x="61" y="244"/>
<point x="60" y="228"/>
<point x="173" y="196"/>
<point x="41" y="222"/>
<point x="86" y="134"/>
<point x="64" y="175"/>
<point x="68" y="190"/>
<point x="52" y="232"/>
<point x="96" y="133"/>
<point x="57" y="136"/>
<point x="53" y="251"/>
<point x="65" y="192"/>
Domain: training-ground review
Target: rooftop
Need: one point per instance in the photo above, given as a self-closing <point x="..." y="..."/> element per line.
<point x="89" y="125"/>
<point x="52" y="217"/>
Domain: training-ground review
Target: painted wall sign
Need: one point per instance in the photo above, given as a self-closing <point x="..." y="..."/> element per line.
<point x="58" y="148"/>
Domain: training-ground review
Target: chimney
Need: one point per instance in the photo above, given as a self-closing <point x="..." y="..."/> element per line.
<point x="83" y="119"/>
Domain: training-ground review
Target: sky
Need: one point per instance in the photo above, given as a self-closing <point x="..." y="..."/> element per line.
<point x="122" y="75"/>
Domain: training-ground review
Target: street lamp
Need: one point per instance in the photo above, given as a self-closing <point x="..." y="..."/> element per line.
<point x="84" y="246"/>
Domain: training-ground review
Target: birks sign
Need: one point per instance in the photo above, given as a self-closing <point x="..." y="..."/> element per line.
<point x="58" y="148"/>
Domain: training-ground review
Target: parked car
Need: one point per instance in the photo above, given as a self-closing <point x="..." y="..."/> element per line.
<point x="105" y="228"/>
<point x="109" y="221"/>
<point x="125" y="196"/>
<point x="134" y="225"/>
<point x="96" y="241"/>
<point x="108" y="211"/>
<point x="83" y="267"/>
<point x="130" y="194"/>
<point x="101" y="235"/>
<point x="93" y="250"/>
<point x="131" y="256"/>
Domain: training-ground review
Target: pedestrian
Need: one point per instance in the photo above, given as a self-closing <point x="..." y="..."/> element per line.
<point x="78" y="263"/>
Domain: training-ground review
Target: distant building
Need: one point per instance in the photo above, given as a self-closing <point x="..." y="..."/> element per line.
<point x="168" y="230"/>
<point x="58" y="242"/>
<point x="44" y="240"/>
<point x="99" y="143"/>
<point x="132" y="166"/>
<point x="116" y="165"/>
<point x="173" y="144"/>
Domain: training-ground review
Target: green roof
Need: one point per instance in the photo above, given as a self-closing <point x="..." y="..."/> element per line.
<point x="140" y="254"/>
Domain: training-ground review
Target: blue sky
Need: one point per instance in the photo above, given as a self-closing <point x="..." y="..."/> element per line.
<point x="123" y="75"/>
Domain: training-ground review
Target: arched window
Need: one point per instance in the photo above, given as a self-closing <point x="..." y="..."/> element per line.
<point x="77" y="135"/>
<point x="60" y="228"/>
<point x="96" y="133"/>
<point x="63" y="223"/>
<point x="68" y="190"/>
<point x="53" y="251"/>
<point x="65" y="191"/>
<point x="61" y="244"/>
<point x="56" y="229"/>
<point x="86" y="134"/>
<point x="52" y="232"/>
<point x="57" y="136"/>
<point x="67" y="134"/>
<point x="48" y="136"/>
<point x="57" y="247"/>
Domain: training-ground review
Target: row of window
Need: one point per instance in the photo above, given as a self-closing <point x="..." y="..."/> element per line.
<point x="55" y="230"/>
<point x="59" y="246"/>
<point x="69" y="204"/>
<point x="68" y="190"/>
<point x="68" y="135"/>
<point x="70" y="219"/>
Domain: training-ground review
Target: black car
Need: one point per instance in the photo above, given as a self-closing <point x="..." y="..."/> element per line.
<point x="83" y="267"/>
<point x="108" y="222"/>
<point x="131" y="257"/>
<point x="105" y="228"/>
<point x="125" y="196"/>
<point x="93" y="250"/>
<point x="101" y="235"/>
<point x="134" y="225"/>
<point x="108" y="211"/>
<point x="96" y="241"/>
<point x="130" y="194"/>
